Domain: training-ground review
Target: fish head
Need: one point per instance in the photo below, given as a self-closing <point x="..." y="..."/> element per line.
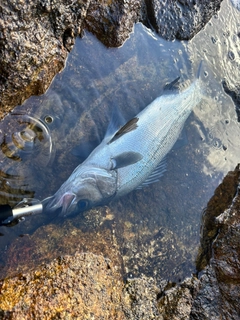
<point x="87" y="187"/>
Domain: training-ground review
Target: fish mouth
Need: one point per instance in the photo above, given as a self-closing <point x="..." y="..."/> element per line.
<point x="65" y="202"/>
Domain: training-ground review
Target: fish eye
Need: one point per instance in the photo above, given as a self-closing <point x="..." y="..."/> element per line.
<point x="82" y="204"/>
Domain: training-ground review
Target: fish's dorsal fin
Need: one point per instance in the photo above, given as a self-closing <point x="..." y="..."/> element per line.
<point x="117" y="121"/>
<point x="128" y="127"/>
<point x="125" y="159"/>
<point x="155" y="175"/>
<point x="174" y="85"/>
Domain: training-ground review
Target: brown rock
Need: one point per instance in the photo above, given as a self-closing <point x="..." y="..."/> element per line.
<point x="85" y="286"/>
<point x="34" y="40"/>
<point x="175" y="301"/>
<point x="53" y="240"/>
<point x="112" y="21"/>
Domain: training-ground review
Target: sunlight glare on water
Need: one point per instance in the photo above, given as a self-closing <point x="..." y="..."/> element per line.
<point x="158" y="227"/>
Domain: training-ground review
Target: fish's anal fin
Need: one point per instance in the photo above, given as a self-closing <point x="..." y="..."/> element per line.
<point x="125" y="159"/>
<point x="128" y="127"/>
<point x="155" y="175"/>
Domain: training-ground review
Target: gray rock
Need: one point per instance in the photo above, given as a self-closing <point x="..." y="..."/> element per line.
<point x="180" y="19"/>
<point x="142" y="293"/>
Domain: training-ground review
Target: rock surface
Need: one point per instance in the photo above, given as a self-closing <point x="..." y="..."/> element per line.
<point x="112" y="21"/>
<point x="85" y="286"/>
<point x="34" y="42"/>
<point x="36" y="36"/>
<point x="234" y="93"/>
<point x="219" y="291"/>
<point x="215" y="294"/>
<point x="180" y="19"/>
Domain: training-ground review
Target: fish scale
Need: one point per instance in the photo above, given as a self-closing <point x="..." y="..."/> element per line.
<point x="159" y="127"/>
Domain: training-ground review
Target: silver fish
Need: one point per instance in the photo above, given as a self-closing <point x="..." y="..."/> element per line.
<point x="131" y="156"/>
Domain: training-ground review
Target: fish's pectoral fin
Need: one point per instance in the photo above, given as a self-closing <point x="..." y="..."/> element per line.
<point x="155" y="175"/>
<point x="128" y="127"/>
<point x="125" y="159"/>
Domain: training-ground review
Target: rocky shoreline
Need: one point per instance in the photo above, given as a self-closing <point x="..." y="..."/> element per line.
<point x="90" y="283"/>
<point x="86" y="285"/>
<point x="35" y="37"/>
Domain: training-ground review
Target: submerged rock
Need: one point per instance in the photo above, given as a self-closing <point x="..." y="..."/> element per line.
<point x="35" y="37"/>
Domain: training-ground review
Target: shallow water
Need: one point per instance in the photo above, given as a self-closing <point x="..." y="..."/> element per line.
<point x="158" y="227"/>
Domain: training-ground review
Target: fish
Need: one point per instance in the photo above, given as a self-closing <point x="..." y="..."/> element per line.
<point x="132" y="154"/>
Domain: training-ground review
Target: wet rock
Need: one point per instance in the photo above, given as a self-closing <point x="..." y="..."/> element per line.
<point x="234" y="93"/>
<point x="35" y="37"/>
<point x="180" y="19"/>
<point x="112" y="21"/>
<point x="218" y="296"/>
<point x="221" y="200"/>
<point x="175" y="301"/>
<point x="142" y="293"/>
<point x="85" y="286"/>
<point x="54" y="239"/>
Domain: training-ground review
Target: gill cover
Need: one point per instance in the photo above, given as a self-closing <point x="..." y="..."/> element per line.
<point x="85" y="188"/>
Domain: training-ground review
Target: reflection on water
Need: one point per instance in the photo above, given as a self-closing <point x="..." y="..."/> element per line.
<point x="158" y="227"/>
<point x="27" y="137"/>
